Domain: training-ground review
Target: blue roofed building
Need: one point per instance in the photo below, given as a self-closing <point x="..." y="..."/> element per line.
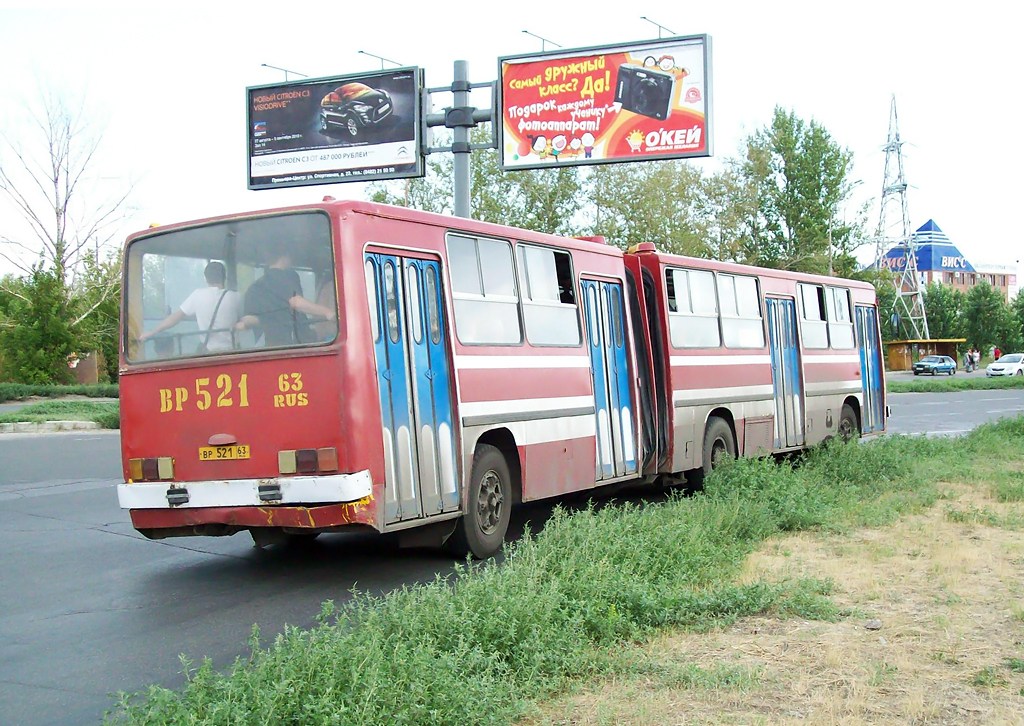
<point x="939" y="260"/>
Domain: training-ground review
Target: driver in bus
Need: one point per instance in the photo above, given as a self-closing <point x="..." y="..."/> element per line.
<point x="274" y="303"/>
<point x="215" y="309"/>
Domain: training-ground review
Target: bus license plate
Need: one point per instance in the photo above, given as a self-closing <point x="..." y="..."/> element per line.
<point x="223" y="453"/>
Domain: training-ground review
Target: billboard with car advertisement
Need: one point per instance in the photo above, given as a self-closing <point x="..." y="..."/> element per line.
<point x="338" y="129"/>
<point x="627" y="102"/>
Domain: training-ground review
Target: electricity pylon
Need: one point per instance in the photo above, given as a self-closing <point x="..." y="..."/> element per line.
<point x="894" y="231"/>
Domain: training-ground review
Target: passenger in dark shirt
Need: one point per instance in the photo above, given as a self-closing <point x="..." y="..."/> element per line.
<point x="274" y="303"/>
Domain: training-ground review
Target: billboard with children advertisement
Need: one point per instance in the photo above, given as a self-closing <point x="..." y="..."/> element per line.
<point x="628" y="102"/>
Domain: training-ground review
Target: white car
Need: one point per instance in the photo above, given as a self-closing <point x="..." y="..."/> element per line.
<point x="1007" y="365"/>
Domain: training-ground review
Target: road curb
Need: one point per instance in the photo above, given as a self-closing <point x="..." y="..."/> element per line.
<point x="47" y="427"/>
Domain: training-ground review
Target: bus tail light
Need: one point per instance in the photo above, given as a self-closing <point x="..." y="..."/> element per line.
<point x="307" y="461"/>
<point x="151" y="469"/>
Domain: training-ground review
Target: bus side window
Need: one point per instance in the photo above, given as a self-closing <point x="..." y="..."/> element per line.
<point x="741" y="312"/>
<point x="840" y="323"/>
<point x="549" y="300"/>
<point x="813" y="323"/>
<point x="371" y="298"/>
<point x="693" y="309"/>
<point x="433" y="311"/>
<point x="484" y="290"/>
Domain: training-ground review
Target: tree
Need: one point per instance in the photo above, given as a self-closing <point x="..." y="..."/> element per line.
<point x="48" y="179"/>
<point x="730" y="209"/>
<point x="99" y="290"/>
<point x="1018" y="312"/>
<point x="983" y="316"/>
<point x="545" y="200"/>
<point x="664" y="202"/>
<point x="49" y="191"/>
<point x="798" y="179"/>
<point x="37" y="338"/>
<point x="885" y="294"/>
<point x="1008" y="335"/>
<point x="943" y="305"/>
<point x="430" y="193"/>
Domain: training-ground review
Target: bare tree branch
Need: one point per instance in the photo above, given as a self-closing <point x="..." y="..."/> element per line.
<point x="49" y="192"/>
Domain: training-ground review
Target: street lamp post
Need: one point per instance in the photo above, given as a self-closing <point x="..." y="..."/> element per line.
<point x="380" y="58"/>
<point x="543" y="41"/>
<point x="657" y="24"/>
<point x="284" y="70"/>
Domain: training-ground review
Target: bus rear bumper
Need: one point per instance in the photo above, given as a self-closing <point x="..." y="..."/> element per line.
<point x="335" y="489"/>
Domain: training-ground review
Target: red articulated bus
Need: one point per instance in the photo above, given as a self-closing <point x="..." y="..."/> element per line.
<point x="355" y="365"/>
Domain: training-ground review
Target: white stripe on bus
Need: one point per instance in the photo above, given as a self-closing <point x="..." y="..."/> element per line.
<point x="549" y="430"/>
<point x="732" y="394"/>
<point x="525" y="405"/>
<point x="720" y="360"/>
<point x="501" y="362"/>
<point x="818" y="358"/>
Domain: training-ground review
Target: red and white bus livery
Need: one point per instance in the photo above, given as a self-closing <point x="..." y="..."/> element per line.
<point x="409" y="372"/>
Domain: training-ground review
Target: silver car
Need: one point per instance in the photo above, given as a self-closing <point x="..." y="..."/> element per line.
<point x="1007" y="365"/>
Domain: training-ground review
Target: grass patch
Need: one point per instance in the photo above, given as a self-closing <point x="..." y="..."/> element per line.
<point x="105" y="413"/>
<point x="986" y="517"/>
<point x="949" y="384"/>
<point x="20" y="391"/>
<point x="988" y="678"/>
<point x="690" y="675"/>
<point x="487" y="645"/>
<point x="1009" y="488"/>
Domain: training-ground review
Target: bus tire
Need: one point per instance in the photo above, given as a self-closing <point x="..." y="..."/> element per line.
<point x="718" y="442"/>
<point x="848" y="428"/>
<point x="482" y="527"/>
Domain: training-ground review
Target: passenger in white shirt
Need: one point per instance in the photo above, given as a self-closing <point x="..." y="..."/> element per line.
<point x="214" y="335"/>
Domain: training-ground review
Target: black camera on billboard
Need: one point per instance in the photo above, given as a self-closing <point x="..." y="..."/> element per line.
<point x="645" y="91"/>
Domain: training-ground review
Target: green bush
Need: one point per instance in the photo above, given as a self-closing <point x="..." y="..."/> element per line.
<point x="929" y="384"/>
<point x="19" y="391"/>
<point x="39" y="338"/>
<point x="106" y="414"/>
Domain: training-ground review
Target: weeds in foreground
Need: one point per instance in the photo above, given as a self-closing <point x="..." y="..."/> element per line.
<point x="568" y="603"/>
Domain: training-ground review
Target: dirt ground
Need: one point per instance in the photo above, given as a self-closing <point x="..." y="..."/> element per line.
<point x="932" y="633"/>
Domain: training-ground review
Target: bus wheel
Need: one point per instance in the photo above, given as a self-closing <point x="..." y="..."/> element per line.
<point x="848" y="424"/>
<point x="481" y="530"/>
<point x="718" y="442"/>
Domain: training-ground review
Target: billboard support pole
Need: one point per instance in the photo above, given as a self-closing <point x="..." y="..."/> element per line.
<point x="460" y="117"/>
<point x="460" y="147"/>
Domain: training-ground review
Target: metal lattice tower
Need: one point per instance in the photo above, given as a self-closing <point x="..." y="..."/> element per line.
<point x="894" y="231"/>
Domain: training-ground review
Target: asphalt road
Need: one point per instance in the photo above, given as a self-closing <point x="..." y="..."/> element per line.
<point x="88" y="607"/>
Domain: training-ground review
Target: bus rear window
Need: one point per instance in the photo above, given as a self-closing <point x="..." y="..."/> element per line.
<point x="225" y="287"/>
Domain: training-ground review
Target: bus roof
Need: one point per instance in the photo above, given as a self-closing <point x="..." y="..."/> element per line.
<point x="341" y="207"/>
<point x="741" y="269"/>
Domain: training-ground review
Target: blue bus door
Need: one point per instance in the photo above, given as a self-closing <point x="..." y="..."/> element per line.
<point x="871" y="373"/>
<point x="414" y="380"/>
<point x="609" y="365"/>
<point x="785" y="356"/>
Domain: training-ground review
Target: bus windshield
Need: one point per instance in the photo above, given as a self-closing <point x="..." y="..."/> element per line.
<point x="225" y="287"/>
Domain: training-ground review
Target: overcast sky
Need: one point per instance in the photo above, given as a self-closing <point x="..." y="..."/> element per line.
<point x="167" y="88"/>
